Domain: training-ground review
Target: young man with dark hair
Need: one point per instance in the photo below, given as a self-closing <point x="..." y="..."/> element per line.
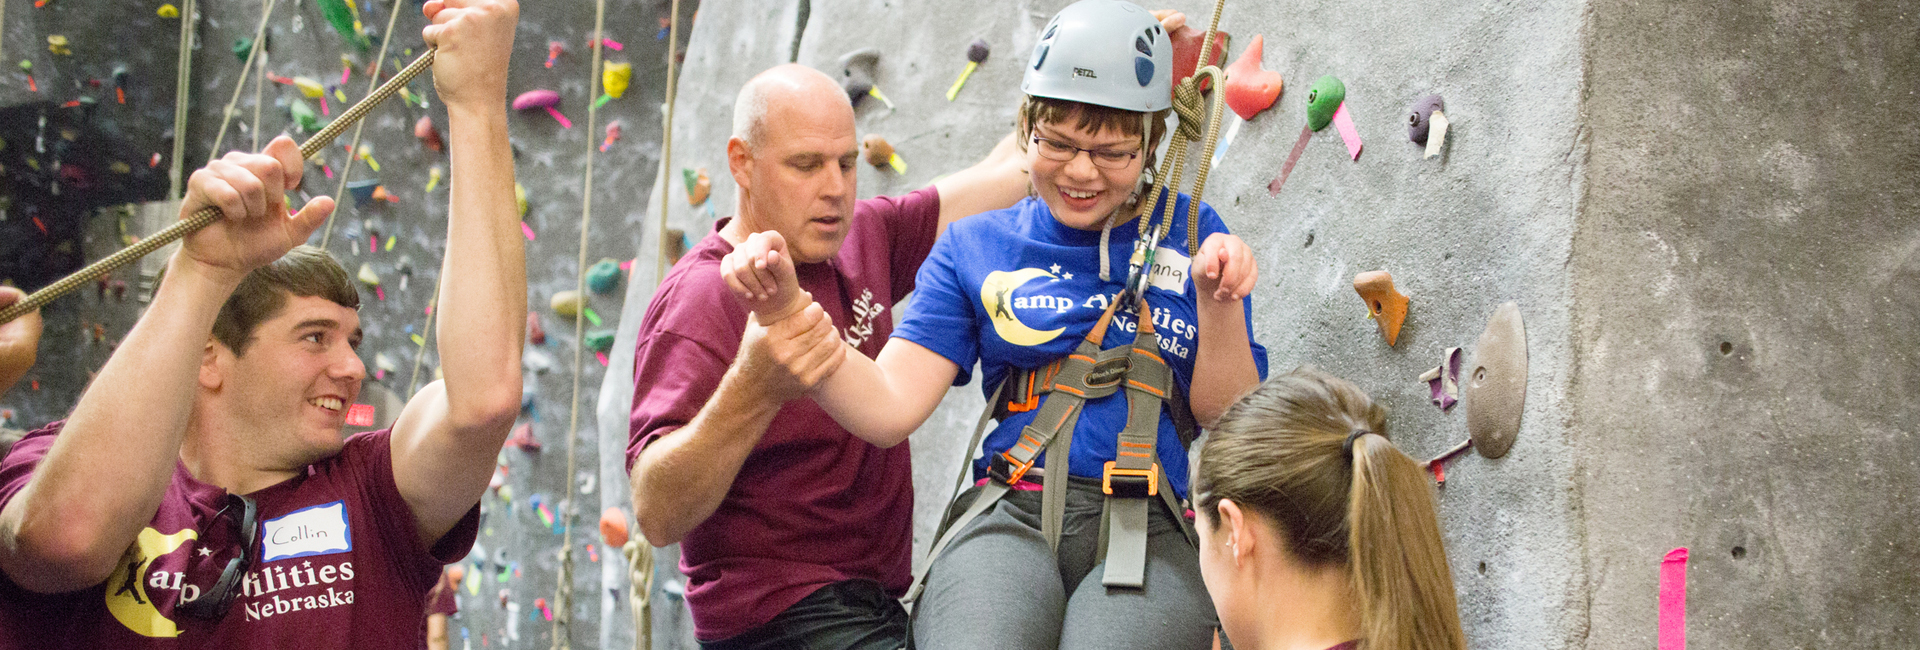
<point x="201" y="495"/>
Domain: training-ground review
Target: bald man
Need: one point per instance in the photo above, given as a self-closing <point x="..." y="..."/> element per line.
<point x="793" y="532"/>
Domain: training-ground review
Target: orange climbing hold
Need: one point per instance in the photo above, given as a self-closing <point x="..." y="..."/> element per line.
<point x="1186" y="51"/>
<point x="1385" y="304"/>
<point x="1249" y="88"/>
<point x="613" y="527"/>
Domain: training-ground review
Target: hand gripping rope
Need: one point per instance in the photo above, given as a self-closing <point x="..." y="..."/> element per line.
<point x="206" y="216"/>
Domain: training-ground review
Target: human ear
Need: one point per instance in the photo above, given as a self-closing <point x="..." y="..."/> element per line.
<point x="210" y="375"/>
<point x="1233" y="522"/>
<point x="739" y="162"/>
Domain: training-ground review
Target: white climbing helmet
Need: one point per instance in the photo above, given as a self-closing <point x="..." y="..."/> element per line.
<point x="1103" y="52"/>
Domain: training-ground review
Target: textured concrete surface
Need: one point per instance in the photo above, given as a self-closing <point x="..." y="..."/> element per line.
<point x="1744" y="308"/>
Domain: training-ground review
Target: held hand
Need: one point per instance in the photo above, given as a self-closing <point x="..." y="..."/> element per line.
<point x="794" y="355"/>
<point x="254" y="228"/>
<point x="475" y="38"/>
<point x="1170" y="19"/>
<point x="761" y="275"/>
<point x="19" y="340"/>
<point x="1224" y="271"/>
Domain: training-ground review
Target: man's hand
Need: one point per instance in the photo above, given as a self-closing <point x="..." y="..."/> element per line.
<point x="761" y="275"/>
<point x="249" y="190"/>
<point x="475" y="38"/>
<point x="792" y="356"/>
<point x="19" y="340"/>
<point x="1224" y="271"/>
<point x="1170" y="19"/>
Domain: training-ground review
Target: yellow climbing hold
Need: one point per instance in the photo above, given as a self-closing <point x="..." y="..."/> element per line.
<point x="615" y="77"/>
<point x="168" y="11"/>
<point x="567" y="304"/>
<point x="520" y="198"/>
<point x="57" y="44"/>
<point x="312" y="89"/>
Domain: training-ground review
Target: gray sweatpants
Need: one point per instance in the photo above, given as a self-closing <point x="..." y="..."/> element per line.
<point x="999" y="586"/>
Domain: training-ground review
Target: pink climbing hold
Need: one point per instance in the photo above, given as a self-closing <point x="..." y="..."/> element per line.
<point x="546" y="99"/>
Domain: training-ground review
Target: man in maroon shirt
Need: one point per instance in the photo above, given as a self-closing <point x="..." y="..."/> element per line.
<point x="793" y="532"/>
<point x="201" y="495"/>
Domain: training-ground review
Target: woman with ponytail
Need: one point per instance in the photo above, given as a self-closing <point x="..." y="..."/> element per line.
<point x="1316" y="533"/>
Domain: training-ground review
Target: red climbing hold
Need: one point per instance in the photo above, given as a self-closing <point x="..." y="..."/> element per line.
<point x="1249" y="88"/>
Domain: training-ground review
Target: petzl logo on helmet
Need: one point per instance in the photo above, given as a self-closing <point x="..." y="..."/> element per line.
<point x="1083" y="72"/>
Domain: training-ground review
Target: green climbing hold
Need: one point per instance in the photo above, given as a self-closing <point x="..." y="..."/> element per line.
<point x="243" y="46"/>
<point x="304" y="116"/>
<point x="1323" y="99"/>
<point x="604" y="277"/>
<point x="344" y="21"/>
<point x="599" y="340"/>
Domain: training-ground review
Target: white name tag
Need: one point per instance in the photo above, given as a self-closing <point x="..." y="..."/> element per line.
<point x="1170" y="268"/>
<point x="319" y="530"/>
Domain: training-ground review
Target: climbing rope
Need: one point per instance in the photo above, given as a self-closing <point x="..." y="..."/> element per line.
<point x="1191" y="107"/>
<point x="426" y="334"/>
<point x="226" y="116"/>
<point x="563" y="595"/>
<point x="666" y="142"/>
<point x="183" y="71"/>
<point x="207" y="216"/>
<point x="259" y="80"/>
<point x="353" y="148"/>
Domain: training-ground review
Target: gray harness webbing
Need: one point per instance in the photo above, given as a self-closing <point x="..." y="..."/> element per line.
<point x="1128" y="481"/>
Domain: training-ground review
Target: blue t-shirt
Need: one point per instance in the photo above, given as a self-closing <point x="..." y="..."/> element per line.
<point x="1016" y="288"/>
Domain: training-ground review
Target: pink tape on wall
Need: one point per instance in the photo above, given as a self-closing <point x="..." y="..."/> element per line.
<point x="1673" y="600"/>
<point x="1344" y="124"/>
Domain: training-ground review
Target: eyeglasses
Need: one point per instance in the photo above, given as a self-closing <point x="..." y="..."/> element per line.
<point x="214" y="603"/>
<point x="1103" y="158"/>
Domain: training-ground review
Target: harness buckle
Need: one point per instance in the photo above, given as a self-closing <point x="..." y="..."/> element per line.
<point x="1130" y="483"/>
<point x="1007" y="469"/>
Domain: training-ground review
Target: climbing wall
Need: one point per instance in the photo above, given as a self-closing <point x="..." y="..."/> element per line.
<point x="514" y="570"/>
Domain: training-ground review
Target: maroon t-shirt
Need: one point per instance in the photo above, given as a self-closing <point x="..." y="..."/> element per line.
<point x="338" y="564"/>
<point x="812" y="505"/>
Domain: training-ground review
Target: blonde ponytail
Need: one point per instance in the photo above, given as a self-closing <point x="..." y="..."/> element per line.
<point x="1397" y="560"/>
<point x="1309" y="452"/>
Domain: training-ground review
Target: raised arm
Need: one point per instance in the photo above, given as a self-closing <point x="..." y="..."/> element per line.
<point x="997" y="181"/>
<point x="1224" y="274"/>
<point x="879" y="400"/>
<point x="447" y="438"/>
<point x="103" y="478"/>
<point x="19" y="340"/>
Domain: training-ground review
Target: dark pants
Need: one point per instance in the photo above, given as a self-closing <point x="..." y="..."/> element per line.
<point x="856" y="614"/>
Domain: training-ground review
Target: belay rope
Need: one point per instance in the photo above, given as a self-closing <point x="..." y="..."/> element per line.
<point x="206" y="216"/>
<point x="1089" y="372"/>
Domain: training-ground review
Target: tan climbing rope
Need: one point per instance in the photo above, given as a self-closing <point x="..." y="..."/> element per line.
<point x="226" y="116"/>
<point x="207" y="216"/>
<point x="1192" y="110"/>
<point x="666" y="142"/>
<point x="353" y="148"/>
<point x="563" y="594"/>
<point x="183" y="72"/>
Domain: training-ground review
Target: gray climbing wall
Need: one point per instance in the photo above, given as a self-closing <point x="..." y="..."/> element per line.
<point x="1703" y="213"/>
<point x="516" y="563"/>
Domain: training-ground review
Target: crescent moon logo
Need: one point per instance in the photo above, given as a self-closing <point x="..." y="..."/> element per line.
<point x="127" y="595"/>
<point x="996" y="294"/>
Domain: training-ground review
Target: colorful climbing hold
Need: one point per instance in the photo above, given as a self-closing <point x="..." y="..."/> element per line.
<point x="429" y="136"/>
<point x="1323" y="99"/>
<point x="699" y="186"/>
<point x="168" y="11"/>
<point x="520" y="199"/>
<point x="303" y="115"/>
<point x="362" y="191"/>
<point x="567" y="304"/>
<point x="604" y="277"/>
<point x="345" y="20"/>
<point x="615" y="77"/>
<point x="857" y="72"/>
<point x="878" y="151"/>
<point x="613" y="135"/>
<point x="613" y="527"/>
<point x="554" y="48"/>
<point x="309" y="86"/>
<point x="1186" y="52"/>
<point x="367" y="275"/>
<point x="976" y="54"/>
<point x="599" y="340"/>
<point x="1385" y="304"/>
<point x="544" y="99"/>
<point x="434" y="175"/>
<point x="536" y="334"/>
<point x="58" y="44"/>
<point x="1251" y="89"/>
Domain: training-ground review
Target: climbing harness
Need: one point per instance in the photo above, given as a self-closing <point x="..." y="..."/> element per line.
<point x="1060" y="390"/>
<point x="206" y="216"/>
